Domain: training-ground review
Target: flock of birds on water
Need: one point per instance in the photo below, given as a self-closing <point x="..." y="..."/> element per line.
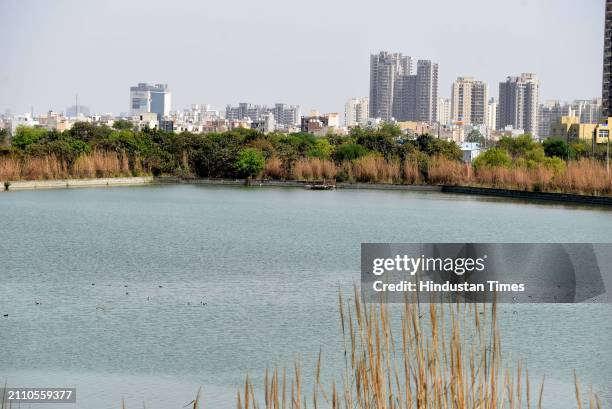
<point x="202" y="303"/>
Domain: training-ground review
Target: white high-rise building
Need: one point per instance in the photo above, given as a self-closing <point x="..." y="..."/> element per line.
<point x="145" y="98"/>
<point x="469" y="99"/>
<point x="492" y="114"/>
<point x="444" y="111"/>
<point x="356" y="112"/>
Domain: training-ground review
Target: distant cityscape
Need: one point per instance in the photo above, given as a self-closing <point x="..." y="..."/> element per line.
<point x="401" y="92"/>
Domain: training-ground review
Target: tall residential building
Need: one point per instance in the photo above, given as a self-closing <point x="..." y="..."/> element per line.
<point x="286" y="115"/>
<point x="444" y="111"/>
<point x="385" y="68"/>
<point x="356" y="111"/>
<point x="589" y="111"/>
<point x="427" y="91"/>
<point x="405" y="98"/>
<point x="607" y="62"/>
<point x="397" y="93"/>
<point x="492" y="114"/>
<point x="469" y="101"/>
<point x="519" y="103"/>
<point x="145" y="98"/>
<point x="550" y="113"/>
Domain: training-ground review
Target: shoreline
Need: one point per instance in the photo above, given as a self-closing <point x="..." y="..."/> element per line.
<point x="151" y="180"/>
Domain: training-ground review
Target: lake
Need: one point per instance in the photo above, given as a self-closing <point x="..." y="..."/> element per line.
<point x="147" y="293"/>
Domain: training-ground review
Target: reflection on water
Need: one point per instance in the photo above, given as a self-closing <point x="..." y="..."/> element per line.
<point x="147" y="293"/>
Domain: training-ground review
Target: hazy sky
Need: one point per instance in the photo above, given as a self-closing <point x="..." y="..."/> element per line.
<point x="313" y="53"/>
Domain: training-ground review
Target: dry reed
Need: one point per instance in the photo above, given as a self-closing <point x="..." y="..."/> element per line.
<point x="314" y="169"/>
<point x="448" y="172"/>
<point x="586" y="176"/>
<point x="446" y="358"/>
<point x="411" y="173"/>
<point x="274" y="168"/>
<point x="375" y="169"/>
<point x="92" y="165"/>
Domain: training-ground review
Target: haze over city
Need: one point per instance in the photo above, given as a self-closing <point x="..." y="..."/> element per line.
<point x="314" y="54"/>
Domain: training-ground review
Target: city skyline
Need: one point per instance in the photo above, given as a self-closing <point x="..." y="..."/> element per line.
<point x="202" y="68"/>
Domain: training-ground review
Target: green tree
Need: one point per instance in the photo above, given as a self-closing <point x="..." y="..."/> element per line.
<point x="349" y="151"/>
<point x="250" y="162"/>
<point x="492" y="157"/>
<point x="121" y="124"/>
<point x="383" y="140"/>
<point x="438" y="147"/>
<point x="517" y="146"/>
<point x="579" y="149"/>
<point x="83" y="131"/>
<point x="555" y="147"/>
<point x="25" y="135"/>
<point x="322" y="149"/>
<point x="3" y="136"/>
<point x="475" y="136"/>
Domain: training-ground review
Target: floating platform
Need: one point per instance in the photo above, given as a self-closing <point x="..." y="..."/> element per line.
<point x="322" y="186"/>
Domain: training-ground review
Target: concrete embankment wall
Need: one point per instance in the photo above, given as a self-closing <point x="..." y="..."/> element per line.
<point x="521" y="194"/>
<point x="71" y="183"/>
<point x="381" y="186"/>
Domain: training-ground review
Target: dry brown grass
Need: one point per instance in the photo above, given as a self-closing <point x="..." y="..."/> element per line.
<point x="446" y="357"/>
<point x="410" y="172"/>
<point x="448" y="172"/>
<point x="92" y="165"/>
<point x="274" y="168"/>
<point x="586" y="176"/>
<point x="521" y="178"/>
<point x="375" y="169"/>
<point x="314" y="169"/>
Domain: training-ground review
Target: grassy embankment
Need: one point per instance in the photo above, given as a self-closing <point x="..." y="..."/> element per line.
<point x="364" y="156"/>
<point x="584" y="176"/>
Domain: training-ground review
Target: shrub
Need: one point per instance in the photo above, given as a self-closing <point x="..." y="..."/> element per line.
<point x="349" y="151"/>
<point x="250" y="162"/>
<point x="491" y="158"/>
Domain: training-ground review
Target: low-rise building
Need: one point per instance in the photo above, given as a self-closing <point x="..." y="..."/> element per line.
<point x="570" y="128"/>
<point x="470" y="151"/>
<point x="21" y="120"/>
<point x="320" y="124"/>
<point x="146" y="120"/>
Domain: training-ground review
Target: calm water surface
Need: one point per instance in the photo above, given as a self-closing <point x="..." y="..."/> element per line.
<point x="121" y="275"/>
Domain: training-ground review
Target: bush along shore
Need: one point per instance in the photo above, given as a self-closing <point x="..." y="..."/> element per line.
<point x="383" y="156"/>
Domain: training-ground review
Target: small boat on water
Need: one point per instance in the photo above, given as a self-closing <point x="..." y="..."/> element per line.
<point x="321" y="186"/>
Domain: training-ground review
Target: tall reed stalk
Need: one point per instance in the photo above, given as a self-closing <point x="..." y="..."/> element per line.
<point x="446" y="356"/>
